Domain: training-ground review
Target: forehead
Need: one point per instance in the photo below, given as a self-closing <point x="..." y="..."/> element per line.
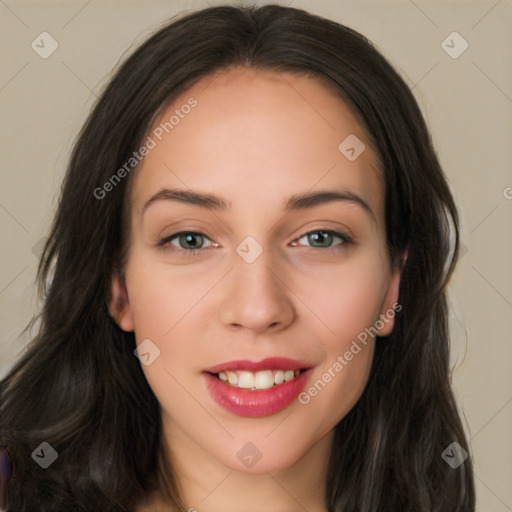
<point x="257" y="137"/>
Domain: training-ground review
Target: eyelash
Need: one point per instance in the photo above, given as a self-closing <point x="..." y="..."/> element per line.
<point x="165" y="243"/>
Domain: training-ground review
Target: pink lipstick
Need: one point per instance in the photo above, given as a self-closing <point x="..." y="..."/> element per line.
<point x="250" y="388"/>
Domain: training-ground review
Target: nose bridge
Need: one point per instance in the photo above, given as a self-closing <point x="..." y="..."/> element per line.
<point x="255" y="270"/>
<point x="258" y="275"/>
<point x="257" y="296"/>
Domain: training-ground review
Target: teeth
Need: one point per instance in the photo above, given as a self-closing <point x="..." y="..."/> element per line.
<point x="288" y="375"/>
<point x="246" y="380"/>
<point x="232" y="378"/>
<point x="264" y="379"/>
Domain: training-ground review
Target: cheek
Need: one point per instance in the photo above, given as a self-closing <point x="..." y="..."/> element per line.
<point x="337" y="386"/>
<point x="162" y="296"/>
<point x="350" y="310"/>
<point x="160" y="304"/>
<point x="349" y="303"/>
<point x="346" y="299"/>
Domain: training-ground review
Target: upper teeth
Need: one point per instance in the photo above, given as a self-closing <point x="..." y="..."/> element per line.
<point x="264" y="379"/>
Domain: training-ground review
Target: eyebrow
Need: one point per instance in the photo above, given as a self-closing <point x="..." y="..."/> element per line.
<point x="294" y="203"/>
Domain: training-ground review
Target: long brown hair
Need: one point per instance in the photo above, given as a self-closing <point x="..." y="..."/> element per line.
<point x="78" y="385"/>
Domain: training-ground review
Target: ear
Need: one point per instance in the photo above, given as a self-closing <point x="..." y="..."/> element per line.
<point x="391" y="305"/>
<point x="119" y="307"/>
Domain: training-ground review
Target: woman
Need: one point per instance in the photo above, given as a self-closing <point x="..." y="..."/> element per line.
<point x="197" y="350"/>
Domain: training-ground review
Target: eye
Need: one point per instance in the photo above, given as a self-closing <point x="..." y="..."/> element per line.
<point x="325" y="237"/>
<point x="190" y="243"/>
<point x="186" y="241"/>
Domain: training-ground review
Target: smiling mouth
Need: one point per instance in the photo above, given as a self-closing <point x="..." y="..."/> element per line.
<point x="259" y="380"/>
<point x="257" y="388"/>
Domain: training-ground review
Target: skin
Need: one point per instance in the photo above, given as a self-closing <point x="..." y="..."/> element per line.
<point x="255" y="138"/>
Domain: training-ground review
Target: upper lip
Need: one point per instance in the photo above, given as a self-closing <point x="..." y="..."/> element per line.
<point x="270" y="363"/>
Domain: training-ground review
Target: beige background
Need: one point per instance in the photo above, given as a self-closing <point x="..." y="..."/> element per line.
<point x="468" y="105"/>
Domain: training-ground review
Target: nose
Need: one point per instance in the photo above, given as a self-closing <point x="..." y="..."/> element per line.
<point x="256" y="296"/>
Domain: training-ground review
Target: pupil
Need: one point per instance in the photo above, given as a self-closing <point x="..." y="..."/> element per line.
<point x="320" y="236"/>
<point x="190" y="237"/>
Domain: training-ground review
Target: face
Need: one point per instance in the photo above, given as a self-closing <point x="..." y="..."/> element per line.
<point x="255" y="283"/>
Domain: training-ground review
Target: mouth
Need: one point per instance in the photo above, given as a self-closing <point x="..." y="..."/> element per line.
<point x="248" y="388"/>
<point x="263" y="379"/>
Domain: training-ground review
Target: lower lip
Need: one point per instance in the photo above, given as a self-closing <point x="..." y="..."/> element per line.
<point x="259" y="402"/>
